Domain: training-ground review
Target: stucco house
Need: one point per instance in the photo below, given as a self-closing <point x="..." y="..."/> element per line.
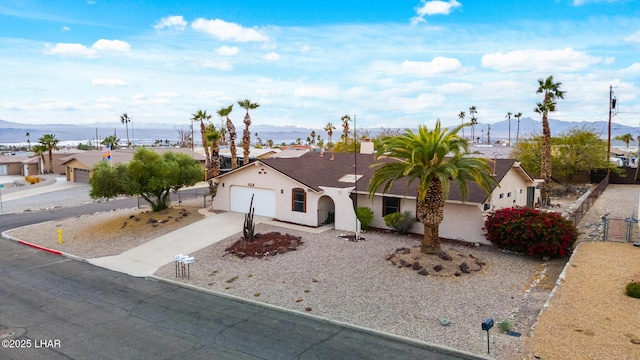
<point x="79" y="167"/>
<point x="319" y="188"/>
<point x="19" y="165"/>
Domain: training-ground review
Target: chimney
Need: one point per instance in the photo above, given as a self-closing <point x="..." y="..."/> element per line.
<point x="366" y="147"/>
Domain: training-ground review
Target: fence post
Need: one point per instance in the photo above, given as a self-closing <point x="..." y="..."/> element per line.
<point x="605" y="231"/>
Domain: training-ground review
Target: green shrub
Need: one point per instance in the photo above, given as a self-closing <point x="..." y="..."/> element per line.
<point x="504" y="325"/>
<point x="365" y="215"/>
<point x="633" y="289"/>
<point x="531" y="231"/>
<point x="401" y="222"/>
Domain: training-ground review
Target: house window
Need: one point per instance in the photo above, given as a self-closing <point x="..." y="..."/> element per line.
<point x="502" y="196"/>
<point x="390" y="205"/>
<point x="509" y="194"/>
<point x="299" y="200"/>
<point x="486" y="207"/>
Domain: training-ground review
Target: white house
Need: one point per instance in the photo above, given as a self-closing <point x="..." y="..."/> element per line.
<point x="317" y="189"/>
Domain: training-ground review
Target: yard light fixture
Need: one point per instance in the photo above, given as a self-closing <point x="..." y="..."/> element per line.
<point x="486" y="326"/>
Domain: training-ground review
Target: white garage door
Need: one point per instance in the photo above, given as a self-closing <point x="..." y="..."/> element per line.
<point x="264" y="200"/>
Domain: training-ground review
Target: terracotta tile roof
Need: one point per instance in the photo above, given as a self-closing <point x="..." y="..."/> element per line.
<point x="314" y="170"/>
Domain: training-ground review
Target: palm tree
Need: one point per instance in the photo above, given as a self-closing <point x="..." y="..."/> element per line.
<point x="422" y="157"/>
<point x="626" y="138"/>
<point x="551" y="93"/>
<point x="50" y="143"/>
<point x="28" y="141"/>
<point x="461" y="117"/>
<point x="125" y="119"/>
<point x="329" y="129"/>
<point x="270" y="143"/>
<point x="112" y="141"/>
<point x="345" y="127"/>
<point x="473" y="111"/>
<point x="312" y="137"/>
<point x="518" y="116"/>
<point x="39" y="150"/>
<point x="231" y="130"/>
<point x="509" y="117"/>
<point x="213" y="139"/>
<point x="246" y="135"/>
<point x="202" y="116"/>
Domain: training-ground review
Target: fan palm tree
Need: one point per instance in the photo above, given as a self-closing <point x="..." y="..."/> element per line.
<point x="28" y="141"/>
<point x="626" y="138"/>
<point x="518" y="116"/>
<point x="49" y="142"/>
<point x="461" y="117"/>
<point x="202" y="116"/>
<point x="435" y="159"/>
<point x="125" y="119"/>
<point x="329" y="129"/>
<point x="551" y="91"/>
<point x="472" y="112"/>
<point x="509" y="117"/>
<point x="112" y="141"/>
<point x="246" y="135"/>
<point x="345" y="127"/>
<point x="213" y="139"/>
<point x="231" y="130"/>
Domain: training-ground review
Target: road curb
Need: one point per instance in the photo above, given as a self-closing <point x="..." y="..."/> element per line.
<point x="38" y="247"/>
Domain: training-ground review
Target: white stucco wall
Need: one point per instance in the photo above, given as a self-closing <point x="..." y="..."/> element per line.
<point x="513" y="189"/>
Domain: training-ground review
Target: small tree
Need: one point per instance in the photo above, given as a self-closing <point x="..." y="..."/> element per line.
<point x="365" y="215"/>
<point x="148" y="175"/>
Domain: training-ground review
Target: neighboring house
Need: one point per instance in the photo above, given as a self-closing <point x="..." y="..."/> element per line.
<point x="79" y="167"/>
<point x="316" y="188"/>
<point x="18" y="165"/>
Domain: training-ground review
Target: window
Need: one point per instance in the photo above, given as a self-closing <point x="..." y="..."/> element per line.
<point x="486" y="207"/>
<point x="502" y="196"/>
<point x="509" y="194"/>
<point x="299" y="200"/>
<point x="390" y="205"/>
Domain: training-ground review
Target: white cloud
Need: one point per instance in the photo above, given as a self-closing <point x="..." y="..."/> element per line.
<point x="635" y="37"/>
<point x="65" y="28"/>
<point x="220" y="65"/>
<point x="227" y="31"/>
<point x="582" y="2"/>
<point x="316" y="92"/>
<point x="107" y="82"/>
<point x="272" y="56"/>
<point x="436" y="7"/>
<point x="111" y="45"/>
<point x="171" y="22"/>
<point x="633" y="70"/>
<point x="565" y="59"/>
<point x="438" y="66"/>
<point x="305" y="48"/>
<point x="227" y="50"/>
<point x="75" y="49"/>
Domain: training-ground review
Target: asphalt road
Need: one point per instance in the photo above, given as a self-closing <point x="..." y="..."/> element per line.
<point x="52" y="307"/>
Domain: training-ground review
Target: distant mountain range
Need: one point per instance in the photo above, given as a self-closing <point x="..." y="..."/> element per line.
<point x="15" y="133"/>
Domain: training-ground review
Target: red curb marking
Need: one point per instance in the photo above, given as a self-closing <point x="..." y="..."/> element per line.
<point x="57" y="252"/>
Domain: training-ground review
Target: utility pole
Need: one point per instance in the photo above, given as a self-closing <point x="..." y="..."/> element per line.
<point x="612" y="106"/>
<point x="489" y="135"/>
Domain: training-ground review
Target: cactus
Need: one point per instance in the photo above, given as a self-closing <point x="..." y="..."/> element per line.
<point x="249" y="227"/>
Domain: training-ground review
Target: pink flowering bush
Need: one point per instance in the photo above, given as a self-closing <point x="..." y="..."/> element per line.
<point x="531" y="231"/>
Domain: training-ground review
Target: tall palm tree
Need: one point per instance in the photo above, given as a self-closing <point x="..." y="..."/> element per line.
<point x="28" y="141"/>
<point x="551" y="91"/>
<point x="461" y="117"/>
<point x="49" y="142"/>
<point x="329" y="129"/>
<point x="202" y="116"/>
<point x="509" y="117"/>
<point x="472" y="112"/>
<point x="345" y="127"/>
<point x="246" y="135"/>
<point x="518" y="116"/>
<point x="125" y="119"/>
<point x="231" y="130"/>
<point x="213" y="139"/>
<point x="435" y="159"/>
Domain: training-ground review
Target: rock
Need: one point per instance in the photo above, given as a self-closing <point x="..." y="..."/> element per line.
<point x="241" y="255"/>
<point x="282" y="250"/>
<point x="391" y="257"/>
<point x="444" y="256"/>
<point x="465" y="268"/>
<point x="423" y="271"/>
<point x="416" y="265"/>
<point x="406" y="251"/>
<point x="457" y="273"/>
<point x="437" y="268"/>
<point x="404" y="263"/>
<point x="268" y="243"/>
<point x="399" y="249"/>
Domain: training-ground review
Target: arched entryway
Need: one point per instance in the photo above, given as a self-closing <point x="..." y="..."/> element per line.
<point x="326" y="210"/>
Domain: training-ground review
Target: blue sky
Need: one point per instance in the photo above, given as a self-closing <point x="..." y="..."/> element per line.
<point x="391" y="63"/>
